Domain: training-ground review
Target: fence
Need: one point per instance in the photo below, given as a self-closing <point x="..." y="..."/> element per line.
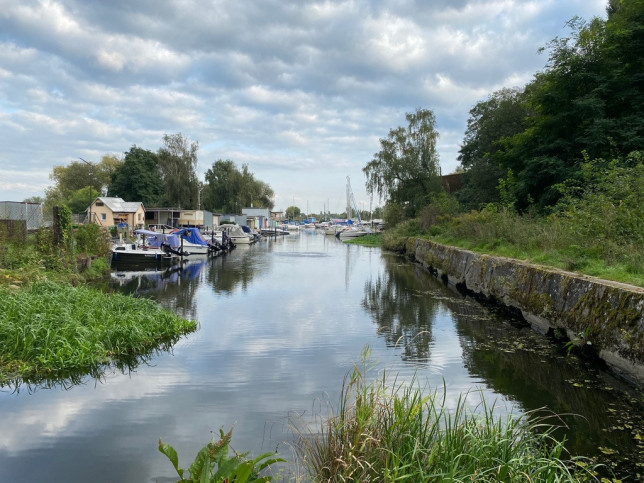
<point x="30" y="213"/>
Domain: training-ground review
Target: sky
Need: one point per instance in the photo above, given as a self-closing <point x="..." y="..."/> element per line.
<point x="300" y="91"/>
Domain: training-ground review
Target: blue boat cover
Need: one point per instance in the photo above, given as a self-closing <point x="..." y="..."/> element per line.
<point x="193" y="235"/>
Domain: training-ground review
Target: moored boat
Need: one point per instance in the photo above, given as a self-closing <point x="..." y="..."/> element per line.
<point x="149" y="248"/>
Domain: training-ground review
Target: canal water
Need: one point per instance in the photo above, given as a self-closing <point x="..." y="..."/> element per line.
<point x="281" y="323"/>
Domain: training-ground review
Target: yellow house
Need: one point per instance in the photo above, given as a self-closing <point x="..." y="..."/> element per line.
<point x="107" y="212"/>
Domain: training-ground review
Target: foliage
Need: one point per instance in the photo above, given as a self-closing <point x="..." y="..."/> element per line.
<point x="500" y="116"/>
<point x="441" y="208"/>
<point x="605" y="206"/>
<point x="589" y="98"/>
<point x="393" y="213"/>
<point x="596" y="229"/>
<point x="228" y="189"/>
<point x="393" y="431"/>
<point x="177" y="166"/>
<point x="293" y="212"/>
<point x="213" y="463"/>
<point x="78" y="201"/>
<point x="72" y="183"/>
<point x="53" y="328"/>
<point x="137" y="178"/>
<point x="405" y="170"/>
<point x="92" y="239"/>
<point x="64" y="223"/>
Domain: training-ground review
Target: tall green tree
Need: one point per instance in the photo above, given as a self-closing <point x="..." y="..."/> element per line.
<point x="137" y="178"/>
<point x="221" y="186"/>
<point x="293" y="212"/>
<point x="82" y="175"/>
<point x="253" y="192"/>
<point x="406" y="169"/>
<point x="492" y="120"/>
<point x="228" y="189"/>
<point x="178" y="169"/>
<point x="589" y="99"/>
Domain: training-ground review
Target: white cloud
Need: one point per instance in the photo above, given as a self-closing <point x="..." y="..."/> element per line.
<point x="283" y="86"/>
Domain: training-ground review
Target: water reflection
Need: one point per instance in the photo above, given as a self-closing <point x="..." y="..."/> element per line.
<point x="602" y="415"/>
<point x="280" y="324"/>
<point x="403" y="306"/>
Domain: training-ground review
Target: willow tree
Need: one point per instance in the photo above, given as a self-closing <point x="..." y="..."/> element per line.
<point x="406" y="169"/>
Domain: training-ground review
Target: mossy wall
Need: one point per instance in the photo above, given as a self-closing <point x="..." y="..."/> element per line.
<point x="607" y="316"/>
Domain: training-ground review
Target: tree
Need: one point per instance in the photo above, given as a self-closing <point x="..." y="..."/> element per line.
<point x="406" y="170"/>
<point x="228" y="190"/>
<point x="177" y="166"/>
<point x="76" y="176"/>
<point x="137" y="178"/>
<point x="221" y="186"/>
<point x="589" y="99"/>
<point x="293" y="212"/>
<point x="254" y="193"/>
<point x="498" y="117"/>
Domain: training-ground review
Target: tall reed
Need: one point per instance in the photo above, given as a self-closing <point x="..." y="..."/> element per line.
<point x="399" y="432"/>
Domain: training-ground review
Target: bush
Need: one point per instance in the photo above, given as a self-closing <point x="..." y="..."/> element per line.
<point x="92" y="239"/>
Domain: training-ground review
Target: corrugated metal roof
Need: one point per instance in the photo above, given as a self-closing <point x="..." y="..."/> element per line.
<point x="118" y="205"/>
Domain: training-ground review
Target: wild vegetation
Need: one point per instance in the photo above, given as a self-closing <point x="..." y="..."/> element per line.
<point x="393" y="431"/>
<point x="52" y="328"/>
<point x="551" y="172"/>
<point x="52" y="325"/>
<point x="214" y="464"/>
<point x="372" y="240"/>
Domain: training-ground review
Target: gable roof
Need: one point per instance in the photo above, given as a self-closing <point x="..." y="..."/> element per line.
<point x="117" y="205"/>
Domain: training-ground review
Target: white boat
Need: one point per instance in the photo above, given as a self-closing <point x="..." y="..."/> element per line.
<point x="352" y="232"/>
<point x="235" y="234"/>
<point x="333" y="229"/>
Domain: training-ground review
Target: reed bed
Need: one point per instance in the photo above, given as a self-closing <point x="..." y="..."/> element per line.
<point x="53" y="328"/>
<point x="393" y="433"/>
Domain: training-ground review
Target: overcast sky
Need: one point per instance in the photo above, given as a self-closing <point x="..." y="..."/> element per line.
<point x="301" y="91"/>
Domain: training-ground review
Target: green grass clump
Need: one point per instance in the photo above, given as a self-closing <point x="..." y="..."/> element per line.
<point x="372" y="240"/>
<point x="396" y="433"/>
<point x="52" y="328"/>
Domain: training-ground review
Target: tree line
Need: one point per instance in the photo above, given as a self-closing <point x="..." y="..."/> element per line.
<point x="166" y="178"/>
<point x="525" y="148"/>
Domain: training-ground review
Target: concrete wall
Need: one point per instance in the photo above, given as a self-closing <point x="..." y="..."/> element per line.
<point x="603" y="315"/>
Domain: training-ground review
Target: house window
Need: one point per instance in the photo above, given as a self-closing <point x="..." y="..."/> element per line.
<point x="139" y="216"/>
<point x="103" y="216"/>
<point x="100" y="203"/>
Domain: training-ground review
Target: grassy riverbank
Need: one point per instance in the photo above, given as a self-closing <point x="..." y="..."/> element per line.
<point x="373" y="240"/>
<point x="398" y="432"/>
<point x="51" y="329"/>
<point x="52" y="325"/>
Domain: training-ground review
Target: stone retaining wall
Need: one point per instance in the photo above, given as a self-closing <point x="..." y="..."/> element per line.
<point x="607" y="316"/>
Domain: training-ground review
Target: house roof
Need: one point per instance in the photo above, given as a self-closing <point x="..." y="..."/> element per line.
<point x="117" y="205"/>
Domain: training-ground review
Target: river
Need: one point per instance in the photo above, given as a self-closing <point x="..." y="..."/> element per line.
<point x="280" y="324"/>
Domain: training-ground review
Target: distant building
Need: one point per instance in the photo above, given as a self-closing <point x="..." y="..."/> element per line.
<point x="106" y="211"/>
<point x="257" y="218"/>
<point x="452" y="182"/>
<point x="178" y="218"/>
